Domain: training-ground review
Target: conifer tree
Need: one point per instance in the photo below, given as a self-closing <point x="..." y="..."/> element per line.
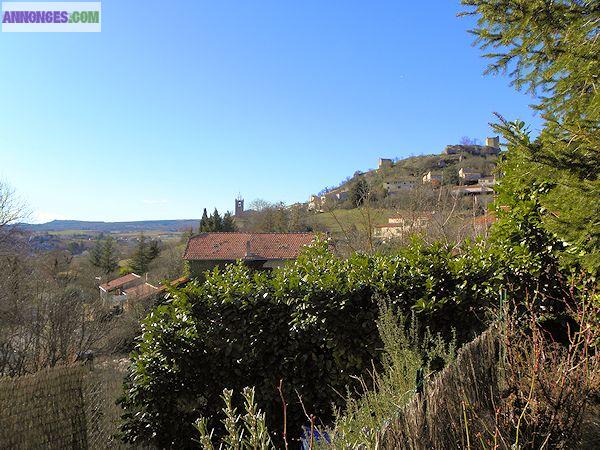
<point x="96" y="253"/>
<point x="359" y="192"/>
<point x="216" y="223"/>
<point x="140" y="260"/>
<point x="109" y="261"/>
<point x="228" y="222"/>
<point x="551" y="49"/>
<point x="145" y="252"/>
<point x="204" y="222"/>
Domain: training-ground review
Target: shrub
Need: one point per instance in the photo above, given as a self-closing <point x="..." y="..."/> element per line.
<point x="410" y="358"/>
<point x="311" y="323"/>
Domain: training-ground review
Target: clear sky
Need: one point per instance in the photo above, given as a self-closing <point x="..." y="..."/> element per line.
<point x="179" y="105"/>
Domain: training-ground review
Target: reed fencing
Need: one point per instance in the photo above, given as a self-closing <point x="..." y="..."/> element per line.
<point x="62" y="407"/>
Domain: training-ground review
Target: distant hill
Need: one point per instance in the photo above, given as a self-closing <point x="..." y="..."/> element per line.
<point x="112" y="227"/>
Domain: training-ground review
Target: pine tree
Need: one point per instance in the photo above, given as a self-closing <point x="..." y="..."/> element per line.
<point x="216" y="223"/>
<point x="96" y="253"/>
<point x="228" y="222"/>
<point x="551" y="49"/>
<point x="109" y="261"/>
<point x="140" y="260"/>
<point x="204" y="222"/>
<point x="153" y="250"/>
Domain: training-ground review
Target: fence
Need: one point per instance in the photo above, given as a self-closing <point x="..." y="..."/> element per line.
<point x="435" y="419"/>
<point x="63" y="407"/>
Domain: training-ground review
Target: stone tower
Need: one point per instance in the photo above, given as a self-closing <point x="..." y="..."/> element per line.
<point x="239" y="206"/>
<point x="493" y="142"/>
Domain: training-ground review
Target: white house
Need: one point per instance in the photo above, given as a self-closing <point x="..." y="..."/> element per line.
<point x="403" y="225"/>
<point x="396" y="186"/>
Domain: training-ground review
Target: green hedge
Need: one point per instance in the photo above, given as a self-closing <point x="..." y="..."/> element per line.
<point x="311" y="323"/>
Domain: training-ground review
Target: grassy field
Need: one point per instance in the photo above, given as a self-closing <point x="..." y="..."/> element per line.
<point x="342" y="219"/>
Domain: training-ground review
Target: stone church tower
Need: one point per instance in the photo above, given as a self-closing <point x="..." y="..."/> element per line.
<point x="239" y="206"/>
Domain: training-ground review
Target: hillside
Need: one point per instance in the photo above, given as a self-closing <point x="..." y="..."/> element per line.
<point x="414" y="167"/>
<point x="112" y="227"/>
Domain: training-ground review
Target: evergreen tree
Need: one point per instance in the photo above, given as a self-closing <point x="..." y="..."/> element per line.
<point x="140" y="260"/>
<point x="216" y="223"/>
<point x="96" y="253"/>
<point x="109" y="261"/>
<point x="204" y="222"/>
<point x="145" y="252"/>
<point x="153" y="250"/>
<point x="104" y="255"/>
<point x="552" y="49"/>
<point x="228" y="222"/>
<point x="359" y="192"/>
<point x="450" y="175"/>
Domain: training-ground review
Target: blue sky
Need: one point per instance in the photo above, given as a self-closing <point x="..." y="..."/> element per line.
<point x="176" y="106"/>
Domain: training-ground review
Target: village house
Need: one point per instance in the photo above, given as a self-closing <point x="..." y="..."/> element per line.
<point x="403" y="225"/>
<point x="432" y="178"/>
<point x="395" y="186"/>
<point x="262" y="251"/>
<point x="487" y="181"/>
<point x="123" y="290"/>
<point x="468" y="176"/>
<point x="472" y="190"/>
<point x="316" y="202"/>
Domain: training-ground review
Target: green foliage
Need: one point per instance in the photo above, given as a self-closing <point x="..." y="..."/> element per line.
<point x="243" y="432"/>
<point x="104" y="255"/>
<point x="359" y="192"/>
<point x="144" y="254"/>
<point x="552" y="49"/>
<point x="204" y="222"/>
<point x="406" y="352"/>
<point x="311" y="323"/>
<point x="450" y="175"/>
<point x="216" y="223"/>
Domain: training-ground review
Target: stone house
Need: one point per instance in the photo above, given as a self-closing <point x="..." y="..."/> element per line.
<point x="432" y="178"/>
<point x="395" y="186"/>
<point x="469" y="176"/>
<point x="123" y="290"/>
<point x="403" y="225"/>
<point x="262" y="251"/>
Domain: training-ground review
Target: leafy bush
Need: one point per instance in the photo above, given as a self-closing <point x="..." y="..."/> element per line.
<point x="408" y="355"/>
<point x="311" y="323"/>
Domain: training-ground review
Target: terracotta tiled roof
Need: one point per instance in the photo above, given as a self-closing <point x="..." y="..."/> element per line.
<point x="234" y="246"/>
<point x="114" y="284"/>
<point x="179" y="282"/>
<point x="140" y="291"/>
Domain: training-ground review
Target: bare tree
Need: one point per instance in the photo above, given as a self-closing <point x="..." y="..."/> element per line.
<point x="12" y="211"/>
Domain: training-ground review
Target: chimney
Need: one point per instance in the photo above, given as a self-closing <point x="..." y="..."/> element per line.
<point x="248" y="248"/>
